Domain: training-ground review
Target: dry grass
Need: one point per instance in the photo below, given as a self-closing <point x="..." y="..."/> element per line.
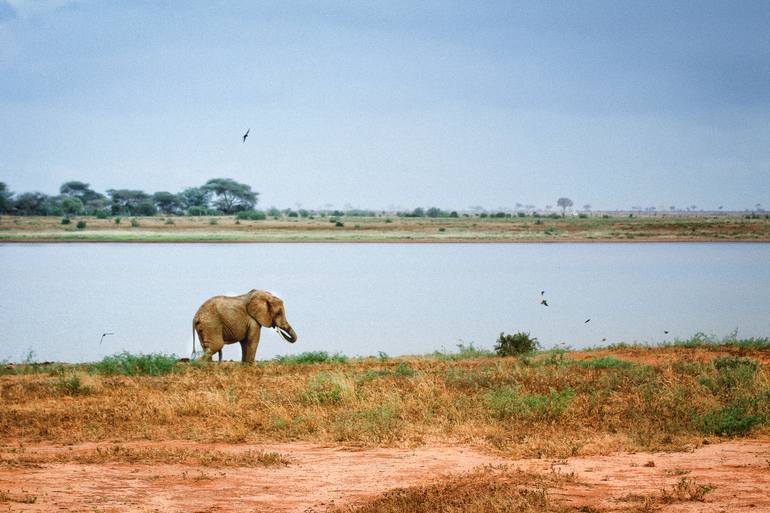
<point x="490" y="490"/>
<point x="148" y="456"/>
<point x="548" y="405"/>
<point x="664" y="227"/>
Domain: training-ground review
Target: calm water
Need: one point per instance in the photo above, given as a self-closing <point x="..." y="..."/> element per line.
<point x="359" y="299"/>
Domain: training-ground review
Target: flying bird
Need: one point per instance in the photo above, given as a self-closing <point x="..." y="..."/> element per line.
<point x="246" y="134"/>
<point x="666" y="332"/>
<point x="587" y="321"/>
<point x="105" y="335"/>
<point x="544" y="302"/>
<point x="542" y="292"/>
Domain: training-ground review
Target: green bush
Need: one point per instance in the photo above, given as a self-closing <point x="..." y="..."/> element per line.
<point x="117" y="220"/>
<point x="102" y="214"/>
<point x="128" y="364"/>
<point x="735" y="376"/>
<point x="311" y="357"/>
<point x="733" y="419"/>
<point x="516" y="344"/>
<point x="403" y="370"/>
<point x="339" y="224"/>
<point x="505" y="402"/>
<point x="251" y="215"/>
<point x="70" y="384"/>
<point x="169" y="221"/>
<point x="605" y="362"/>
<point x="65" y="220"/>
<point x="81" y="225"/>
<point x="134" y="222"/>
<point x="463" y="353"/>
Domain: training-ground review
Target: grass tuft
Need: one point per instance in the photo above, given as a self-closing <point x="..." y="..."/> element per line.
<point x="128" y="364"/>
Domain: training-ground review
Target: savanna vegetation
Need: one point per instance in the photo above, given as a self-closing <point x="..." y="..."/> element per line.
<point x="256" y="226"/>
<point x="539" y="403"/>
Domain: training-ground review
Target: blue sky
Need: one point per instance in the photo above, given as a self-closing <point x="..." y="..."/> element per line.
<point x="393" y="104"/>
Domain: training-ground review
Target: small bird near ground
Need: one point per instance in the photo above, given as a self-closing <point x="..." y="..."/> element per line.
<point x="544" y="302"/>
<point x="105" y="335"/>
<point x="246" y="135"/>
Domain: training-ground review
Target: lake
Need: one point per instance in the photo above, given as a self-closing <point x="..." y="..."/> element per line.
<point x="359" y="299"/>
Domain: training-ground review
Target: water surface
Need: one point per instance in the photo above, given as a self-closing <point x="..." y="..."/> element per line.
<point x="57" y="299"/>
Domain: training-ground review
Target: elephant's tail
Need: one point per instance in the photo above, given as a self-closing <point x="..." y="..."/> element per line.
<point x="193" y="328"/>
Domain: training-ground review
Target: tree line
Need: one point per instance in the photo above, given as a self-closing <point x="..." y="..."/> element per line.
<point x="216" y="196"/>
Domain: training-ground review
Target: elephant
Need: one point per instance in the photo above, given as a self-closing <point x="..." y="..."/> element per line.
<point x="223" y="320"/>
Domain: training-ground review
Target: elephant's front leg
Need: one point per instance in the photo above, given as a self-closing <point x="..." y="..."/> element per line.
<point x="249" y="346"/>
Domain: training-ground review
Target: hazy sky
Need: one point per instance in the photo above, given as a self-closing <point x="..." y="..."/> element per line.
<point x="378" y="104"/>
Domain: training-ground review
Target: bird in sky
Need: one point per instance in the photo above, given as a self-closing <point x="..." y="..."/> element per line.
<point x="105" y="335"/>
<point x="246" y="134"/>
<point x="587" y="321"/>
<point x="665" y="331"/>
<point x="542" y="292"/>
<point x="544" y="302"/>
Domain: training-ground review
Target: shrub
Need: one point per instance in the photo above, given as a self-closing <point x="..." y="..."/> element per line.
<point x="327" y="388"/>
<point x="70" y="384"/>
<point x="213" y="221"/>
<point x="403" y="370"/>
<point x="102" y="214"/>
<point x="251" y="215"/>
<point x="734" y="376"/>
<point x="339" y="224"/>
<point x="605" y="362"/>
<point x="197" y="211"/>
<point x="463" y="353"/>
<point x="128" y="364"/>
<point x="516" y="344"/>
<point x="169" y="221"/>
<point x="311" y="357"/>
<point x="81" y="225"/>
<point x="65" y="220"/>
<point x="505" y="402"/>
<point x="733" y="419"/>
<point x="134" y="222"/>
<point x="117" y="220"/>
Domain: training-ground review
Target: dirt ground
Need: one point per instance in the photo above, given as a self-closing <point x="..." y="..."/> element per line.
<point x="737" y="474"/>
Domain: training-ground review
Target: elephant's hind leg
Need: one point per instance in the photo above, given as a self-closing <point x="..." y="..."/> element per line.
<point x="211" y="343"/>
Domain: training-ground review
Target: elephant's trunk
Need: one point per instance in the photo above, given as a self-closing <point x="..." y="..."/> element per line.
<point x="288" y="333"/>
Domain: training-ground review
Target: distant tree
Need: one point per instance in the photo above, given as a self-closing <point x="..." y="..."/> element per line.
<point x="672" y="208"/>
<point x="127" y="201"/>
<point x="71" y="205"/>
<point x="564" y="203"/>
<point x="32" y="203"/>
<point x="418" y="212"/>
<point x="79" y="190"/>
<point x="145" y="208"/>
<point x="6" y="198"/>
<point x="194" y="197"/>
<point x="231" y="196"/>
<point x="166" y="202"/>
<point x="587" y="207"/>
<point x="435" y="212"/>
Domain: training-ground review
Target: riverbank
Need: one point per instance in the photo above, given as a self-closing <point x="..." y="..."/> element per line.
<point x="629" y="428"/>
<point x="227" y="229"/>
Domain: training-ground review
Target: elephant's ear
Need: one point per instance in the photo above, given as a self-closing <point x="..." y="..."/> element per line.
<point x="259" y="308"/>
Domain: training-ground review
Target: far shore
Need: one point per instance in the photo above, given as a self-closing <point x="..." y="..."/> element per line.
<point x="388" y="229"/>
